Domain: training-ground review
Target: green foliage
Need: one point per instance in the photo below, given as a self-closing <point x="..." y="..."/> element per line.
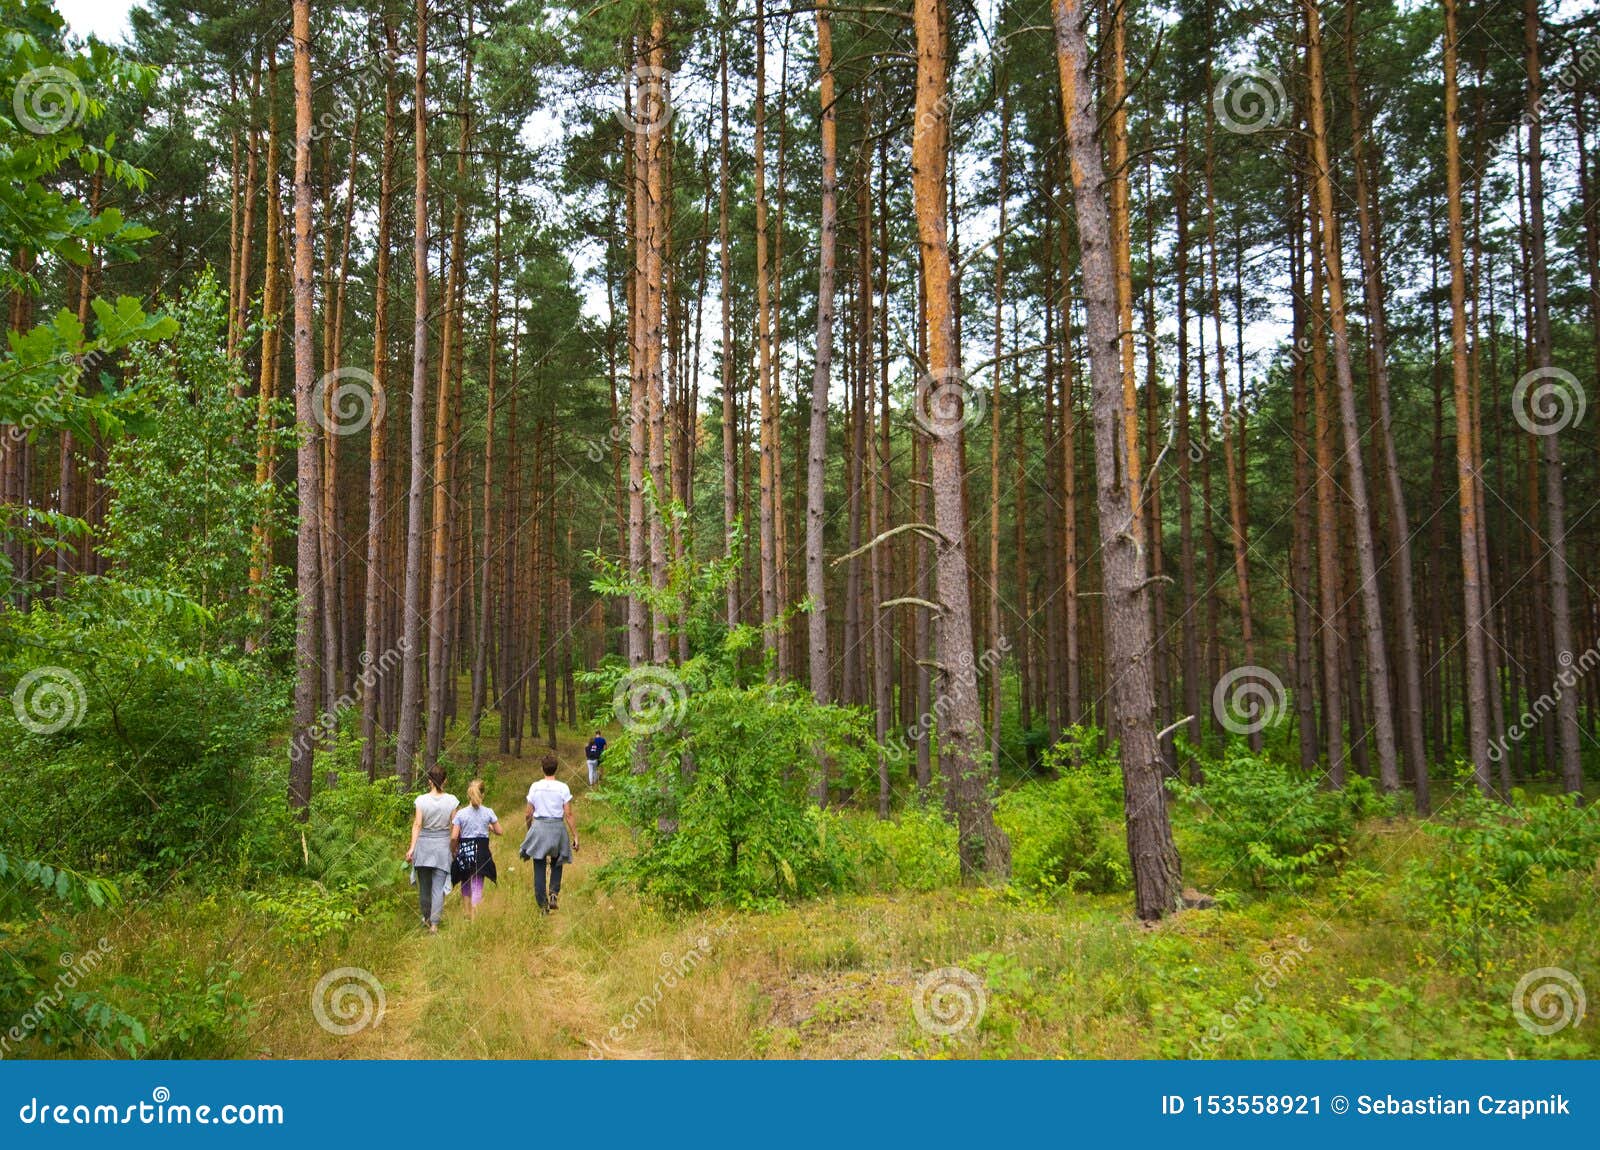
<point x="354" y="823"/>
<point x="193" y="1015"/>
<point x="75" y="889"/>
<point x="1495" y="864"/>
<point x="1269" y="822"/>
<point x="723" y="807"/>
<point x="1067" y="833"/>
<point x="127" y="715"/>
<point x="181" y="515"/>
<point x="914" y="850"/>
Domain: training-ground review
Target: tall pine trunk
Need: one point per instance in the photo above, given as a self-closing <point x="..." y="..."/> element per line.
<point x="411" y="606"/>
<point x="982" y="846"/>
<point x="1128" y="640"/>
<point x="1366" y="561"/>
<point x="308" y="480"/>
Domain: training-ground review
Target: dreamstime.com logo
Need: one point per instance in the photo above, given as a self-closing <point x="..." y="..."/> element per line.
<point x="1548" y="400"/>
<point x="1548" y="999"/>
<point x="1247" y="100"/>
<point x="648" y="699"/>
<point x="48" y="700"/>
<point x="651" y="110"/>
<point x="158" y="1110"/>
<point x="1248" y="699"/>
<point x="351" y="405"/>
<point x="49" y="100"/>
<point x="74" y="969"/>
<point x="945" y="402"/>
<point x="1275" y="965"/>
<point x="675" y="970"/>
<point x="949" y="1000"/>
<point x="347" y="1000"/>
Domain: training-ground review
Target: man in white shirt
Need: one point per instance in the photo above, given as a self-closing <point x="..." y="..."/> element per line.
<point x="552" y="833"/>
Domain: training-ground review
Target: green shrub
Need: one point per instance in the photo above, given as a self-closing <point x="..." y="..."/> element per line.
<point x="355" y="825"/>
<point x="193" y="1015"/>
<point x="155" y="740"/>
<point x="723" y="811"/>
<point x="915" y="850"/>
<point x="1494" y="865"/>
<point x="1067" y="834"/>
<point x="1270" y="822"/>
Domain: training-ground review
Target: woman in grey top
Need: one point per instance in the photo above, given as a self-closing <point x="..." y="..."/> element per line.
<point x="429" y="854"/>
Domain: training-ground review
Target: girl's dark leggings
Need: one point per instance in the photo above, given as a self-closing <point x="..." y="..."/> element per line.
<point x="538" y="879"/>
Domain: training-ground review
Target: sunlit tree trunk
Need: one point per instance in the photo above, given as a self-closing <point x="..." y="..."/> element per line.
<point x="1477" y="701"/>
<point x="770" y="540"/>
<point x="730" y="415"/>
<point x="816" y="462"/>
<point x="439" y="670"/>
<point x="308" y="481"/>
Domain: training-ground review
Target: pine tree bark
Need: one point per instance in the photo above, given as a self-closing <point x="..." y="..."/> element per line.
<point x="439" y="670"/>
<point x="1477" y="701"/>
<point x="1156" y="874"/>
<point x="1233" y="472"/>
<point x="730" y="415"/>
<point x="817" y="457"/>
<point x="771" y="541"/>
<point x="377" y="463"/>
<point x="1193" y="674"/>
<point x="480" y="657"/>
<point x="996" y="426"/>
<point x="308" y="481"/>
<point x="983" y="847"/>
<point x="1371" y="250"/>
<point x="1370" y="590"/>
<point x="1563" y="686"/>
<point x="267" y="387"/>
<point x="411" y="606"/>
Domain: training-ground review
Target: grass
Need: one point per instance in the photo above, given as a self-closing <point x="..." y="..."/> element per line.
<point x="1349" y="973"/>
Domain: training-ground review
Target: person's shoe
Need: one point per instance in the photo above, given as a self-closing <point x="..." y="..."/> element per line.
<point x="554" y="900"/>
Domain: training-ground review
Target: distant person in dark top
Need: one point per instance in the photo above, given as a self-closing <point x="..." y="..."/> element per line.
<point x="592" y="753"/>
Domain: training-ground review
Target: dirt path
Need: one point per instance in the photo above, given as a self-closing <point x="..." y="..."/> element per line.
<point x="511" y="982"/>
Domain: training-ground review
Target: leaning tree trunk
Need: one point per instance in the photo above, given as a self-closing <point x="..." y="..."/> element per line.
<point x="1128" y="641"/>
<point x="308" y="479"/>
<point x="982" y="845"/>
<point x="1371" y="250"/>
<point x="1360" y="504"/>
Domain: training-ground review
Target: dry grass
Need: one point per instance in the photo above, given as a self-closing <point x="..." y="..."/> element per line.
<point x="609" y="976"/>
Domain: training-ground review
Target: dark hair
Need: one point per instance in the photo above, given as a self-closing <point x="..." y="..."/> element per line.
<point x="550" y="764"/>
<point x="436" y="777"/>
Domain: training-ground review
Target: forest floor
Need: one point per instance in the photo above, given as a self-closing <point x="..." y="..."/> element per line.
<point x="1335" y="971"/>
